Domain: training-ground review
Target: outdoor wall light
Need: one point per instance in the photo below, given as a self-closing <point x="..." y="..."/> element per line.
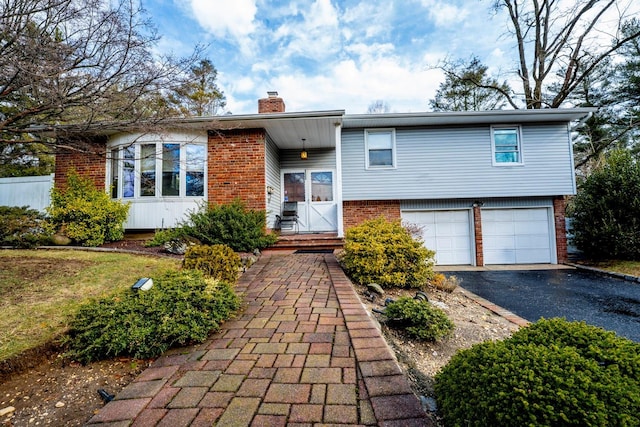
<point x="303" y="153"/>
<point x="478" y="204"/>
<point x="270" y="190"/>
<point x="143" y="284"/>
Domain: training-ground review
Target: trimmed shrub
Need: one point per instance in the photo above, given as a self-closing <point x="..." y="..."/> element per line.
<point x="383" y="252"/>
<point x="553" y="372"/>
<point x="242" y="229"/>
<point x="217" y="261"/>
<point x="161" y="237"/>
<point x="606" y="210"/>
<point x="419" y="318"/>
<point x="22" y="227"/>
<point x="86" y="214"/>
<point x="182" y="307"/>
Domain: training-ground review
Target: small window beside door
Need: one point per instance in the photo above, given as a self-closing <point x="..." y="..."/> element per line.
<point x="380" y="147"/>
<point x="321" y="186"/>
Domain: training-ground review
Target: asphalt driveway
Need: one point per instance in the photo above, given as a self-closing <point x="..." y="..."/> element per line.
<point x="599" y="300"/>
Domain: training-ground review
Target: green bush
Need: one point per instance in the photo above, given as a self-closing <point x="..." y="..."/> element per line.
<point x="161" y="237"/>
<point x="86" y="214"/>
<point x="553" y="372"/>
<point x="383" y="252"/>
<point x="217" y="261"/>
<point x="242" y="229"/>
<point x="606" y="210"/>
<point x="182" y="307"/>
<point x="22" y="227"/>
<point x="419" y="318"/>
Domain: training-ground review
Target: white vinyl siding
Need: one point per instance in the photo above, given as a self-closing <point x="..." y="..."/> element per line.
<point x="517" y="236"/>
<point x="446" y="232"/>
<point x="456" y="162"/>
<point x="272" y="165"/>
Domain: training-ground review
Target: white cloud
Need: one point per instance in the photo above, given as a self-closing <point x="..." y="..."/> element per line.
<point x="353" y="85"/>
<point x="313" y="36"/>
<point x="224" y="18"/>
<point x="445" y="13"/>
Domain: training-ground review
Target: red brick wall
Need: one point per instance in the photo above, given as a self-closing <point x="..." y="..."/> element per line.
<point x="237" y="167"/>
<point x="477" y="227"/>
<point x="357" y="211"/>
<point x="271" y="105"/>
<point x="90" y="163"/>
<point x="559" y="206"/>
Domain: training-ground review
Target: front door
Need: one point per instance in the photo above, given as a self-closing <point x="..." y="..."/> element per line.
<point x="314" y="190"/>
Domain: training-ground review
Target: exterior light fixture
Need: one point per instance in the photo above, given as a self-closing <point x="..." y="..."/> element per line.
<point x="303" y="153"/>
<point x="478" y="204"/>
<point x="143" y="284"/>
<point x="270" y="190"/>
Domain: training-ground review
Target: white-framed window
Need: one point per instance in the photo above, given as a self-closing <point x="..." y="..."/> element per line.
<point x="147" y="170"/>
<point x="506" y="145"/>
<point x="380" y="148"/>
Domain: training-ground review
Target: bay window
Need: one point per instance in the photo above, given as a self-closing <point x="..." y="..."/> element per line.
<point x="157" y="169"/>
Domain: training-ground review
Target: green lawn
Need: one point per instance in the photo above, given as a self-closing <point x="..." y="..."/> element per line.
<point x="626" y="267"/>
<point x="41" y="290"/>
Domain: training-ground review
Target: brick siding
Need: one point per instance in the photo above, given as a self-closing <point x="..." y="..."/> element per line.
<point x="357" y="211"/>
<point x="88" y="163"/>
<point x="237" y="167"/>
<point x="477" y="228"/>
<point x="559" y="206"/>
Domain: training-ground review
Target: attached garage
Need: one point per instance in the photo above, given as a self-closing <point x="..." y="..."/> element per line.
<point x="448" y="232"/>
<point x="517" y="236"/>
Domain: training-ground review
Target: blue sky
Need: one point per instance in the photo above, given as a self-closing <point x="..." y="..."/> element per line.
<point x="333" y="54"/>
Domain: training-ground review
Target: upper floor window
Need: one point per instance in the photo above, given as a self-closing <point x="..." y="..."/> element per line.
<point x="156" y="169"/>
<point x="380" y="147"/>
<point x="506" y="145"/>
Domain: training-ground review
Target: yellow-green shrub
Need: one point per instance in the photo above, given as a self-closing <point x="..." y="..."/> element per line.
<point x="216" y="261"/>
<point x="85" y="214"/>
<point x="384" y="252"/>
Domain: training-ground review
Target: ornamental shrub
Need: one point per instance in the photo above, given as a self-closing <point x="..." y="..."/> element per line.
<point x="217" y="261"/>
<point x="606" y="210"/>
<point x="86" y="214"/>
<point x="242" y="229"/>
<point x="383" y="252"/>
<point x="419" y="318"/>
<point x="553" y="372"/>
<point x="182" y="307"/>
<point x="22" y="227"/>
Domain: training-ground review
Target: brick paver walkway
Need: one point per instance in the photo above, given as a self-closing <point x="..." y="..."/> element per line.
<point x="303" y="352"/>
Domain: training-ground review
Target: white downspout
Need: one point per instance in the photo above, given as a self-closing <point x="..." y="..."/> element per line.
<point x="338" y="137"/>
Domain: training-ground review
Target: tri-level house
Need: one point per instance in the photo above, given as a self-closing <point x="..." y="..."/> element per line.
<point x="485" y="187"/>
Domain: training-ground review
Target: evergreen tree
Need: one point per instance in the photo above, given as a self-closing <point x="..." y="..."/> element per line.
<point x="468" y="87"/>
<point x="199" y="95"/>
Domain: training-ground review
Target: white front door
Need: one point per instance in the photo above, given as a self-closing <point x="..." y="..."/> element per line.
<point x="314" y="190"/>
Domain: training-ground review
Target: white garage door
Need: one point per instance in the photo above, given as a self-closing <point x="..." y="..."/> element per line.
<point x="446" y="232"/>
<point x="516" y="236"/>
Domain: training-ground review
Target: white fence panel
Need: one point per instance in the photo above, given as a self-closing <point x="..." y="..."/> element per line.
<point x="32" y="191"/>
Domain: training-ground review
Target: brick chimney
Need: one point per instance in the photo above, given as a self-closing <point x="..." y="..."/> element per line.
<point x="272" y="104"/>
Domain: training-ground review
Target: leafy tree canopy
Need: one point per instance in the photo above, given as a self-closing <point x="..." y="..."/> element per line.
<point x="69" y="66"/>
